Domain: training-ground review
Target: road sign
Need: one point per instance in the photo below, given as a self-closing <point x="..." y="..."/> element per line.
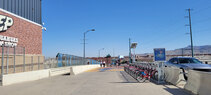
<point x="159" y="54"/>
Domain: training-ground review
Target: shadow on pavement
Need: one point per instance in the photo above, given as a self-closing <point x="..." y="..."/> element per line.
<point x="66" y="74"/>
<point x="176" y="91"/>
<point x="124" y="82"/>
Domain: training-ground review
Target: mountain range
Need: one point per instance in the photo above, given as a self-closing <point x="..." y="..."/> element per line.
<point x="205" y="49"/>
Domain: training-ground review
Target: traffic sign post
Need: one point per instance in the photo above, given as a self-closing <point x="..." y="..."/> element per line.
<point x="159" y="59"/>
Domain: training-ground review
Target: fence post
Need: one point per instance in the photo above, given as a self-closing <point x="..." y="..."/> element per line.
<point x="2" y="61"/>
<point x="32" y="62"/>
<point x="14" y="61"/>
<point x="38" y="62"/>
<point x="71" y="60"/>
<point x="7" y="61"/>
<point x="75" y="60"/>
<point x="24" y="64"/>
<point x="65" y="60"/>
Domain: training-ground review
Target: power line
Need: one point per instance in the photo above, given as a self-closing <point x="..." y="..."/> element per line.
<point x="203" y="30"/>
<point x="201" y="10"/>
<point x="174" y="32"/>
<point x="203" y="20"/>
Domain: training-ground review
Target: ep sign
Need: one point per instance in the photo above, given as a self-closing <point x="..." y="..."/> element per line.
<point x="5" y="22"/>
<point x="159" y="54"/>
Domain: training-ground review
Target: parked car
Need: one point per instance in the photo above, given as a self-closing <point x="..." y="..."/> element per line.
<point x="187" y="63"/>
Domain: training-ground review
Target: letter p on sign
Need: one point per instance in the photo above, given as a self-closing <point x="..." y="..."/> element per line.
<point x="5" y="22"/>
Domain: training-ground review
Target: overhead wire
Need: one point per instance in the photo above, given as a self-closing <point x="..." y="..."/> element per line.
<point x="165" y="42"/>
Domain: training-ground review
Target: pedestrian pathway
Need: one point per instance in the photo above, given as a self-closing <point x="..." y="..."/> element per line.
<point x="103" y="69"/>
<point x="100" y="81"/>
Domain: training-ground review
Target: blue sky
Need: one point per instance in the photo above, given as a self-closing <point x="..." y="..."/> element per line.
<point x="150" y="23"/>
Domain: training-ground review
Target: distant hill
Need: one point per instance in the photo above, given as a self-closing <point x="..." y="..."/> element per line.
<point x="206" y="49"/>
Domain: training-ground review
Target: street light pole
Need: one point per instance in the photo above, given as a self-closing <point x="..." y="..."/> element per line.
<point x="130" y="51"/>
<point x="84" y="54"/>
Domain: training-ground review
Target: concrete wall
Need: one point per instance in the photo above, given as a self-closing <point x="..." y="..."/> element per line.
<point x="199" y="82"/>
<point x="35" y="75"/>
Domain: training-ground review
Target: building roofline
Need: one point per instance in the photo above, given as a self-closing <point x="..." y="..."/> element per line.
<point x="19" y="17"/>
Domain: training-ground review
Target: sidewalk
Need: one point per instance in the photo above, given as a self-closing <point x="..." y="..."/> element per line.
<point x="91" y="83"/>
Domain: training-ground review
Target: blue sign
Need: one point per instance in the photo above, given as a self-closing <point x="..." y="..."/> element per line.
<point x="159" y="54"/>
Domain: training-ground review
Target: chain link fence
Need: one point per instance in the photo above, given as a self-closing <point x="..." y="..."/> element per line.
<point x="63" y="60"/>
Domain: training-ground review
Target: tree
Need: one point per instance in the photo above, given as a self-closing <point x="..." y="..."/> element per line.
<point x="108" y="60"/>
<point x="108" y="56"/>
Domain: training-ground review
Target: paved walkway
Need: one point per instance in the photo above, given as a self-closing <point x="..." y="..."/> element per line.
<point x="110" y="81"/>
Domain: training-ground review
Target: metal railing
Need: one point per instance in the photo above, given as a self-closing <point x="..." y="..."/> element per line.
<point x="14" y="60"/>
<point x="63" y="60"/>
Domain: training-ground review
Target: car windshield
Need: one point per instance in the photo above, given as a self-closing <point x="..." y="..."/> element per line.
<point x="188" y="60"/>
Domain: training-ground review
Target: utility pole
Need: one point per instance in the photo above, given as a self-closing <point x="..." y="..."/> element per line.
<point x="130" y="50"/>
<point x="190" y="31"/>
<point x="84" y="45"/>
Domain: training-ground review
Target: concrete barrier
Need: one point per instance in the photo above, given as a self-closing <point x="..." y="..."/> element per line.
<point x="174" y="76"/>
<point x="24" y="77"/>
<point x="74" y="70"/>
<point x="39" y="74"/>
<point x="59" y="71"/>
<point x="199" y="82"/>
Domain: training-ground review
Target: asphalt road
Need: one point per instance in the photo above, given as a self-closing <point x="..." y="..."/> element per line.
<point x="102" y="82"/>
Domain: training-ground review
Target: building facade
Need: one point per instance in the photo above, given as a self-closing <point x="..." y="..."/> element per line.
<point x="21" y="19"/>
